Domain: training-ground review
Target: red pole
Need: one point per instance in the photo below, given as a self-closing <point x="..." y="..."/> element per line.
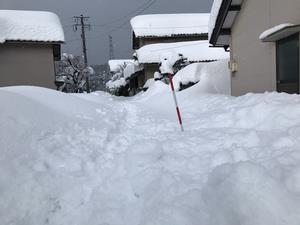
<point x="176" y="103"/>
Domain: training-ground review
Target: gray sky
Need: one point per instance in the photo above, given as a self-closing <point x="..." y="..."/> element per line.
<point x="107" y="17"/>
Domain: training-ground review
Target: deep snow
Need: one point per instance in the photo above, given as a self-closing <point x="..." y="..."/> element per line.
<point x="101" y="160"/>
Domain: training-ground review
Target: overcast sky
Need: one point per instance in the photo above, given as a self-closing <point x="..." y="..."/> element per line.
<point x="107" y="17"/>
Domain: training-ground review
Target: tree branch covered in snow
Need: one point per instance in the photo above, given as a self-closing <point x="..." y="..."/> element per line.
<point x="72" y="74"/>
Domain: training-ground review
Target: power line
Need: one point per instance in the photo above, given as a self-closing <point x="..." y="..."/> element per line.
<point x="147" y="6"/>
<point x="128" y="14"/>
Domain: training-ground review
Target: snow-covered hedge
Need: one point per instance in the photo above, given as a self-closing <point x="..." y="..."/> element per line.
<point x="213" y="77"/>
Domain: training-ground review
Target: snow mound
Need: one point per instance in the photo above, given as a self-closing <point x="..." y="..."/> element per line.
<point x="213" y="77"/>
<point x="17" y="25"/>
<point x="101" y="160"/>
<point x="244" y="193"/>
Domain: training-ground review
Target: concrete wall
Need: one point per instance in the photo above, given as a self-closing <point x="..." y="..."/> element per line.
<point x="257" y="60"/>
<point x="26" y="64"/>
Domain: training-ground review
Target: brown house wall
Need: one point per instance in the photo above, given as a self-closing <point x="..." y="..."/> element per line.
<point x="140" y="42"/>
<point x="27" y="64"/>
<point x="257" y="60"/>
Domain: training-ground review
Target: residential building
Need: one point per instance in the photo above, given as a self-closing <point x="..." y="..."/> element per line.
<point x="150" y="56"/>
<point x="30" y="42"/>
<point x="166" y="28"/>
<point x="263" y="38"/>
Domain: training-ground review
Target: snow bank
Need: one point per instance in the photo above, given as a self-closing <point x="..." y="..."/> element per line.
<point x="99" y="160"/>
<point x="17" y="25"/>
<point x="274" y="30"/>
<point x="194" y="51"/>
<point x="244" y="193"/>
<point x="160" y="25"/>
<point x="213" y="77"/>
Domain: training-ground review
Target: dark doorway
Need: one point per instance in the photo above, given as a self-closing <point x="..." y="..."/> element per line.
<point x="288" y="65"/>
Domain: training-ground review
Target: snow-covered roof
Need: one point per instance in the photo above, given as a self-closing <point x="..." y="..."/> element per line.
<point x="161" y="25"/>
<point x="213" y="16"/>
<point x="272" y="31"/>
<point x="116" y="64"/>
<point x="37" y="26"/>
<point x="194" y="51"/>
<point x="222" y="17"/>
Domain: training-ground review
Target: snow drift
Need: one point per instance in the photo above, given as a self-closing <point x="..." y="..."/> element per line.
<point x="101" y="160"/>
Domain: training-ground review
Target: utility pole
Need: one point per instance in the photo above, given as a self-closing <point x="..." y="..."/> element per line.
<point x="82" y="21"/>
<point x="111" y="47"/>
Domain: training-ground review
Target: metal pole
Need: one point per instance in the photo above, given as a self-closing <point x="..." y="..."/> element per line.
<point x="176" y="103"/>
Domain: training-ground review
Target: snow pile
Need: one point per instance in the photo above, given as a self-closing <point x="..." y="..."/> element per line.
<point x="214" y="77"/>
<point x="161" y="25"/>
<point x="16" y="25"/>
<point x="131" y="68"/>
<point x="113" y="85"/>
<point x="194" y="51"/>
<point x="274" y="29"/>
<point x="115" y="65"/>
<point x="100" y="160"/>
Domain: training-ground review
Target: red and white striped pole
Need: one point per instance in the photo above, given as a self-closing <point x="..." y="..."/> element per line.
<point x="176" y="103"/>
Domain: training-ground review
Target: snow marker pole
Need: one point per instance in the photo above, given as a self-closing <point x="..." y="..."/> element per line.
<point x="176" y="103"/>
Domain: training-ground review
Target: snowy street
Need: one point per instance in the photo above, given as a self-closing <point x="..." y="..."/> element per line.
<point x="103" y="160"/>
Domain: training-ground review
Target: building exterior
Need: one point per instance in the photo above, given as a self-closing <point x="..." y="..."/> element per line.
<point x="150" y="56"/>
<point x="168" y="28"/>
<point x="30" y="42"/>
<point x="263" y="38"/>
<point x="154" y="35"/>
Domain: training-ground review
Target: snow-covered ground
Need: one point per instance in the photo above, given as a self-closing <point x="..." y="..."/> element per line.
<point x="101" y="160"/>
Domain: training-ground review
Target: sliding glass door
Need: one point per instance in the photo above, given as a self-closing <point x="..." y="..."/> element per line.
<point x="288" y="65"/>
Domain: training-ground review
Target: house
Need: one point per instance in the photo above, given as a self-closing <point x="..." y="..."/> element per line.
<point x="263" y="38"/>
<point x="166" y="28"/>
<point x="150" y="56"/>
<point x="127" y="77"/>
<point x="154" y="35"/>
<point x="30" y="42"/>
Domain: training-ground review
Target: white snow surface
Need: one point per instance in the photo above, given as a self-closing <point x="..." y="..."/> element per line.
<point x="274" y="30"/>
<point x="18" y="25"/>
<point x="213" y="77"/>
<point x="194" y="51"/>
<point x="101" y="160"/>
<point x="116" y="64"/>
<point x="213" y="16"/>
<point x="162" y="25"/>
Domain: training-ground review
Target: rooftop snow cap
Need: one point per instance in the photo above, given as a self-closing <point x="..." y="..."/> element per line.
<point x="194" y="51"/>
<point x="116" y="64"/>
<point x="17" y="25"/>
<point x="162" y="25"/>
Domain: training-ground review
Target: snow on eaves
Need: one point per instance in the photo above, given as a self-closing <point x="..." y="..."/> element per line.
<point x="36" y="26"/>
<point x="194" y="51"/>
<point x="274" y="30"/>
<point x="116" y="64"/>
<point x="161" y="25"/>
<point x="213" y="16"/>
